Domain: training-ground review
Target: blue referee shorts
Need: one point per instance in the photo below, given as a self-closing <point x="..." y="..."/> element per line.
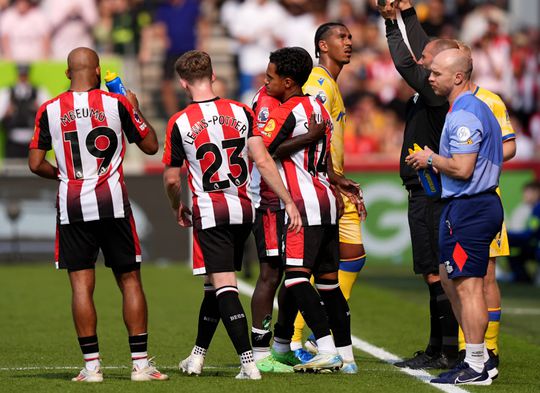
<point x="467" y="228"/>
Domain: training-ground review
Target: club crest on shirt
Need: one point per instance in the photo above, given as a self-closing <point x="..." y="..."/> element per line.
<point x="463" y="135"/>
<point x="269" y="128"/>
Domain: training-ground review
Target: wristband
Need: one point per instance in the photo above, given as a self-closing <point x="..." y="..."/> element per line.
<point x="430" y="161"/>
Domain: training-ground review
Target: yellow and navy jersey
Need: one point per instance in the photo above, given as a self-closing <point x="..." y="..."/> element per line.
<point x="322" y="85"/>
<point x="498" y="108"/>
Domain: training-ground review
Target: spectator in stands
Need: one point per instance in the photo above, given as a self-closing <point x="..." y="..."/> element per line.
<point x="72" y="23"/>
<point x="304" y="16"/>
<point x="103" y="27"/>
<point x="129" y="18"/>
<point x="491" y="58"/>
<point x="181" y="20"/>
<point x="24" y="32"/>
<point x="18" y="107"/>
<point x="256" y="28"/>
<point x="436" y="18"/>
<point x="525" y="82"/>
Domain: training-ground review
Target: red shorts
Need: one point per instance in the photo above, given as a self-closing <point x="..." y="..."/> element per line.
<point x="314" y="247"/>
<point x="268" y="232"/>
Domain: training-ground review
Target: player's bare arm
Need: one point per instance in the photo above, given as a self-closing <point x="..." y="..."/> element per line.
<point x="149" y="144"/>
<point x="459" y="166"/>
<point x="40" y="166"/>
<point x="173" y="188"/>
<point x="509" y="149"/>
<point x="267" y="168"/>
<point x="316" y="131"/>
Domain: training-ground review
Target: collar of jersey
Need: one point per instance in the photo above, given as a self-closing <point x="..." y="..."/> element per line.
<point x="325" y="70"/>
<point x="86" y="91"/>
<point x="202" y="102"/>
<point x="465" y="93"/>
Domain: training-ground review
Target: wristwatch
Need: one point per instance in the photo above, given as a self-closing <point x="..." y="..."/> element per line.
<point x="430" y="161"/>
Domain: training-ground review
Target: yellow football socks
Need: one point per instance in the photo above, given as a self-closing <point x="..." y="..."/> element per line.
<point x="492" y="332"/>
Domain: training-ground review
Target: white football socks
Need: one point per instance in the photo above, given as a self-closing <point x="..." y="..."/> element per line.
<point x="474" y="356"/>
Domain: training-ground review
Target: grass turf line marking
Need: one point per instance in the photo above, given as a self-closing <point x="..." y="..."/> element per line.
<point x="521" y="311"/>
<point x="379" y="353"/>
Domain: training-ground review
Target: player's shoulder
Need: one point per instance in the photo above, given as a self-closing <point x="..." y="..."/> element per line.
<point x="228" y="101"/>
<point x="320" y="76"/>
<point x="262" y="98"/>
<point x="234" y="103"/>
<point x="470" y="103"/>
<point x="174" y="118"/>
<point x="119" y="97"/>
<point x="46" y="104"/>
<point x="492" y="99"/>
<point x="322" y="86"/>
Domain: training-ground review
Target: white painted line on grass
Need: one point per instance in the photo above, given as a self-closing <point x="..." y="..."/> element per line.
<point x="521" y="311"/>
<point x="35" y="368"/>
<point x="379" y="353"/>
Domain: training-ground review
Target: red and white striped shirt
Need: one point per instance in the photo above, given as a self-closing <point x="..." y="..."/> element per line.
<point x="262" y="194"/>
<point x="304" y="172"/>
<point x="85" y="130"/>
<point x="211" y="136"/>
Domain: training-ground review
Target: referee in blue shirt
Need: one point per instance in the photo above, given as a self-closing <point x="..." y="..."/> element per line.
<point x="469" y="160"/>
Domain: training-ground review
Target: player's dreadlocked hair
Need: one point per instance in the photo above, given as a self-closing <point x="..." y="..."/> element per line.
<point x="293" y="62"/>
<point x="321" y="33"/>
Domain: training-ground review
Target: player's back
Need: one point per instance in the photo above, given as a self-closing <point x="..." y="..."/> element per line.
<point x="212" y="136"/>
<point x="304" y="171"/>
<point x="322" y="85"/>
<point x="475" y="130"/>
<point x="497" y="106"/>
<point x="85" y="130"/>
<point x="262" y="195"/>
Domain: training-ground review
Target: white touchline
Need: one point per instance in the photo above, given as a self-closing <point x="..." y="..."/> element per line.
<point x="521" y="311"/>
<point x="379" y="353"/>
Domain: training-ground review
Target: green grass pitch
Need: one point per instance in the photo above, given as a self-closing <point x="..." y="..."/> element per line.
<point x="39" y="351"/>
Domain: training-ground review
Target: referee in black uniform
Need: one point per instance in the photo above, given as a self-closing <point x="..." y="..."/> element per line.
<point x="425" y="115"/>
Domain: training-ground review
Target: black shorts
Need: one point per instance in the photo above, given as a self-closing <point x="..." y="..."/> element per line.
<point x="219" y="249"/>
<point x="78" y="245"/>
<point x="314" y="247"/>
<point x="268" y="232"/>
<point x="424" y="216"/>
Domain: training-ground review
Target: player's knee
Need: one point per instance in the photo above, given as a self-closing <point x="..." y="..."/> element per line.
<point x="269" y="276"/>
<point x="294" y="277"/>
<point x="352" y="265"/>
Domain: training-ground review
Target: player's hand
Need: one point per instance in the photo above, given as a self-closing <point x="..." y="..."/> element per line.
<point x="362" y="211"/>
<point x="295" y="220"/>
<point x="353" y="192"/>
<point x="183" y="216"/>
<point x="387" y="11"/>
<point x="347" y="187"/>
<point x="340" y="206"/>
<point x="132" y="98"/>
<point x="316" y="129"/>
<point x="418" y="160"/>
<point x="404" y="4"/>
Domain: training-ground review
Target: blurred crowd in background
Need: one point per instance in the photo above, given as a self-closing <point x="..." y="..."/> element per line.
<point x="150" y="35"/>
